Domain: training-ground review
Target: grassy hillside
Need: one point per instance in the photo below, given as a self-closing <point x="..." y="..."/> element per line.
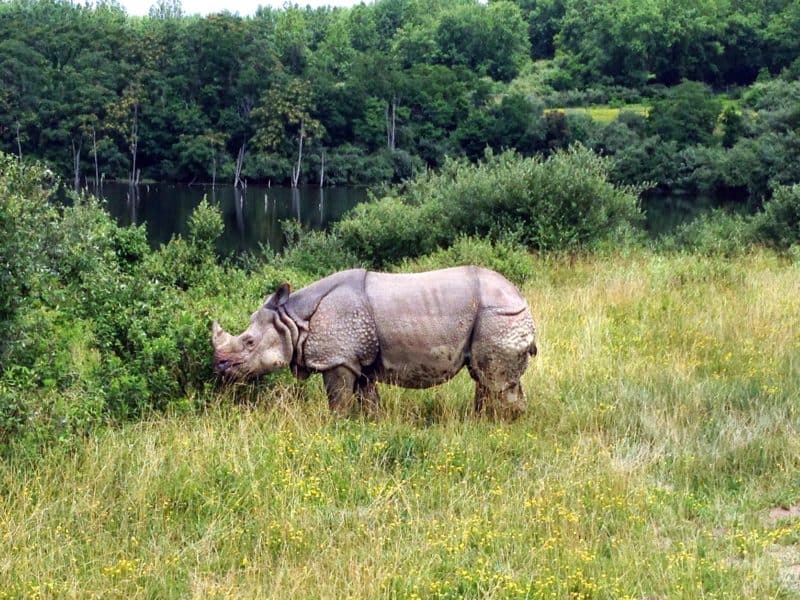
<point x="658" y="458"/>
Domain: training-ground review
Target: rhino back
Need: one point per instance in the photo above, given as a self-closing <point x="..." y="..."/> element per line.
<point x="498" y="294"/>
<point x="424" y="322"/>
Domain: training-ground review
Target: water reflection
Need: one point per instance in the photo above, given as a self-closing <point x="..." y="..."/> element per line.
<point x="238" y="205"/>
<point x="132" y="202"/>
<point x="252" y="216"/>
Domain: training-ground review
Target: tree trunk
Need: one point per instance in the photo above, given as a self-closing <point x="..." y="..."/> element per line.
<point x="391" y="122"/>
<point x="237" y="180"/>
<point x="296" y="170"/>
<point x="76" y="164"/>
<point x="214" y="171"/>
<point x="394" y="124"/>
<point x="322" y="169"/>
<point x="96" y="167"/>
<point x="134" y="141"/>
<point x="19" y="144"/>
<point x="388" y="128"/>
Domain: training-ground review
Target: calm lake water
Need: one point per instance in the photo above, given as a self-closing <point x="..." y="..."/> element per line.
<point x="253" y="217"/>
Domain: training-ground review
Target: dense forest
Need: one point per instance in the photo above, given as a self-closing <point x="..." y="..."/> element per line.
<point x="705" y="95"/>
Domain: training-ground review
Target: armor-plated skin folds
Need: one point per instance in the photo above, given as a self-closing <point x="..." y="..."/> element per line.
<point x="416" y="330"/>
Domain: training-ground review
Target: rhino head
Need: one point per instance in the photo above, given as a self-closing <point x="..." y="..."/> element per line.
<point x="265" y="346"/>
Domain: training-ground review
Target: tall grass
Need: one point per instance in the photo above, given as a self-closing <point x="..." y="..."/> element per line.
<point x="662" y="430"/>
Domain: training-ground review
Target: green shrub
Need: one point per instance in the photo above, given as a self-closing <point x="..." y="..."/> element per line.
<point x="512" y="260"/>
<point x="26" y="222"/>
<point x="205" y="225"/>
<point x="778" y="224"/>
<point x="391" y="229"/>
<point x="315" y="253"/>
<point x="563" y="202"/>
<point x="718" y="232"/>
<point x="687" y="114"/>
<point x="91" y="311"/>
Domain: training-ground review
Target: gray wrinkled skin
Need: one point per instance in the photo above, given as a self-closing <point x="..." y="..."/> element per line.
<point x="358" y="328"/>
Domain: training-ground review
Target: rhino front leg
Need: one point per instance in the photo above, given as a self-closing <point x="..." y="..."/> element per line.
<point x="340" y="383"/>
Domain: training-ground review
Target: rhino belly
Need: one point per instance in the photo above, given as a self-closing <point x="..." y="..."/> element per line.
<point x="420" y="366"/>
<point x="424" y="322"/>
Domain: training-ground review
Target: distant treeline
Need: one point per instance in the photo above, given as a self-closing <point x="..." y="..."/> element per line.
<point x="370" y="93"/>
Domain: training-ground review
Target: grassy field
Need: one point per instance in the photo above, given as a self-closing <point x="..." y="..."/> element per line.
<point x="658" y="459"/>
<point x="602" y="113"/>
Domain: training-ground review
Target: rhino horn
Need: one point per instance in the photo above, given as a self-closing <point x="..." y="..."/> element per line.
<point x="216" y="332"/>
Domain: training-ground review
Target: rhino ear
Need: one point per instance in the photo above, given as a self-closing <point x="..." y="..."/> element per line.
<point x="279" y="298"/>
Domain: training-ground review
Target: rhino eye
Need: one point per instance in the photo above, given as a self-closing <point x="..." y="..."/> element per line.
<point x="249" y="342"/>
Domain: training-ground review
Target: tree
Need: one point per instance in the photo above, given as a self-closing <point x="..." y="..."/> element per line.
<point x="292" y="39"/>
<point x="286" y="113"/>
<point x="686" y="115"/>
<point x="199" y="154"/>
<point x="489" y="39"/>
<point x="124" y="118"/>
<point x="544" y="22"/>
<point x="22" y="70"/>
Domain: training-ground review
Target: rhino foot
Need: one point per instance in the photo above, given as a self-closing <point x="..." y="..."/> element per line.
<point x="508" y="404"/>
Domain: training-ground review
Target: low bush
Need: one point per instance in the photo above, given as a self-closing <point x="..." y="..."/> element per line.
<point x="315" y="253"/>
<point x="512" y="260"/>
<point x="391" y="229"/>
<point x="718" y="232"/>
<point x="778" y="224"/>
<point x="97" y="325"/>
<point x="564" y="202"/>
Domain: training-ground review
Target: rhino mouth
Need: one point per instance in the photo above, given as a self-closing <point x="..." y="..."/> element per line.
<point x="227" y="368"/>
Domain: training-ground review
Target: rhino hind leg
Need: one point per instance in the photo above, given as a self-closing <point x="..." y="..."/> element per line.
<point x="505" y="404"/>
<point x="499" y="355"/>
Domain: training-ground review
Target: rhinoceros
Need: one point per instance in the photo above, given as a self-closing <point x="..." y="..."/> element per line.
<point x="413" y="330"/>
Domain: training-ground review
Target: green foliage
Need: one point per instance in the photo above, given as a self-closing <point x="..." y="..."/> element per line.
<point x="718" y="232"/>
<point x="779" y="223"/>
<point x="512" y="260"/>
<point x="732" y="124"/>
<point x="26" y="221"/>
<point x="516" y="122"/>
<point x="390" y="229"/>
<point x="390" y="86"/>
<point x="489" y="39"/>
<point x="314" y="253"/>
<point x="686" y="115"/>
<point x="92" y="311"/>
<point x="563" y="202"/>
<point x="205" y="225"/>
